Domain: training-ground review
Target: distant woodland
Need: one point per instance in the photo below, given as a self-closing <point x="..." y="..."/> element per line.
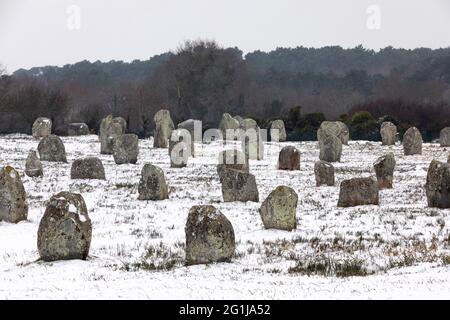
<point x="202" y="80"/>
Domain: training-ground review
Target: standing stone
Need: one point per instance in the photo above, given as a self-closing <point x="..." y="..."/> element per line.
<point x="152" y="185"/>
<point x="52" y="148"/>
<point x="77" y="129"/>
<point x="444" y="137"/>
<point x="209" y="236"/>
<point x="195" y="129"/>
<point x="13" y="203"/>
<point x="33" y="166"/>
<point x="289" y="158"/>
<point x="163" y="128"/>
<point x="239" y="186"/>
<point x="228" y="123"/>
<point x="384" y="169"/>
<point x="65" y="229"/>
<point x="330" y="148"/>
<point x="239" y="119"/>
<point x="252" y="143"/>
<point x="278" y="211"/>
<point x="388" y="132"/>
<point x="358" y="192"/>
<point x="126" y="148"/>
<point x="109" y="129"/>
<point x="412" y="142"/>
<point x="438" y="185"/>
<point x="87" y="168"/>
<point x="179" y="148"/>
<point x="324" y="172"/>
<point x="336" y="128"/>
<point x="231" y="159"/>
<point x="42" y="127"/>
<point x="277" y="130"/>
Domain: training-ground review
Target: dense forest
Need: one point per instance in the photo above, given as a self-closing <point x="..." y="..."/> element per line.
<point x="201" y="80"/>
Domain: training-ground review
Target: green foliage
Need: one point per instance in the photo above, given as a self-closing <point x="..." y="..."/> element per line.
<point x="361" y="117"/>
<point x="364" y="127"/>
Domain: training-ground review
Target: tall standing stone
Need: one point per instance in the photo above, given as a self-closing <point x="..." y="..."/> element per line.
<point x="209" y="236"/>
<point x="152" y="185"/>
<point x="65" y="229"/>
<point x="412" y="142"/>
<point x="163" y="128"/>
<point x="13" y="203"/>
<point x="336" y="128"/>
<point x="330" y="148"/>
<point x="444" y="137"/>
<point x="324" y="173"/>
<point x="384" y="169"/>
<point x="52" y="148"/>
<point x="109" y="129"/>
<point x="42" y="127"/>
<point x="289" y="158"/>
<point x="179" y="148"/>
<point x="358" y="192"/>
<point x="277" y="130"/>
<point x="239" y="186"/>
<point x="437" y="186"/>
<point x="87" y="168"/>
<point x="33" y="166"/>
<point x="125" y="148"/>
<point x="228" y="123"/>
<point x="231" y="159"/>
<point x="278" y="211"/>
<point x="388" y="132"/>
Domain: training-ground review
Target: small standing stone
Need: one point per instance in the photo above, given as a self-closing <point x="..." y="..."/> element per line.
<point x="126" y="148"/>
<point x="195" y="129"/>
<point x="87" y="168"/>
<point x="324" y="173"/>
<point x="358" y="192"/>
<point x="228" y="123"/>
<point x="42" y="127"/>
<point x="412" y="142"/>
<point x="231" y="159"/>
<point x="51" y="148"/>
<point x="33" y="166"/>
<point x="335" y="128"/>
<point x="179" y="148"/>
<point x="289" y="158"/>
<point x="209" y="236"/>
<point x="13" y="203"/>
<point x="330" y="148"/>
<point x="252" y="143"/>
<point x="65" y="229"/>
<point x="437" y="186"/>
<point x="384" y="169"/>
<point x="77" y="129"/>
<point x="278" y="211"/>
<point x="444" y="137"/>
<point x="152" y="185"/>
<point x="277" y="130"/>
<point x="388" y="132"/>
<point x="239" y="186"/>
<point x="163" y="128"/>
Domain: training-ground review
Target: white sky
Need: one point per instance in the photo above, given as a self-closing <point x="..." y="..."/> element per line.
<point x="35" y="32"/>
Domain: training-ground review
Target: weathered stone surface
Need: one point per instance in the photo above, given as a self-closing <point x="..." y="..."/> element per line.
<point x="412" y="142"/>
<point x="65" y="229"/>
<point x="252" y="141"/>
<point x="336" y="128"/>
<point x="163" y="128"/>
<point x="209" y="236"/>
<point x="388" y="132"/>
<point x="42" y="127"/>
<point x="87" y="168"/>
<point x="179" y="148"/>
<point x="358" y="192"/>
<point x="228" y="123"/>
<point x="195" y="129"/>
<point x="51" y="148"/>
<point x="109" y="129"/>
<point x="289" y="158"/>
<point x="444" y="138"/>
<point x="438" y="185"/>
<point x="239" y="186"/>
<point x="33" y="166"/>
<point x="126" y="148"/>
<point x="13" y="203"/>
<point x="77" y="129"/>
<point x="239" y="119"/>
<point x="152" y="185"/>
<point x="330" y="148"/>
<point x="278" y="211"/>
<point x="384" y="169"/>
<point x="231" y="159"/>
<point x="324" y="173"/>
<point x="277" y="130"/>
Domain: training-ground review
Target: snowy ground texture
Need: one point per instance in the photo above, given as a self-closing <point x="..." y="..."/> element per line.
<point x="399" y="249"/>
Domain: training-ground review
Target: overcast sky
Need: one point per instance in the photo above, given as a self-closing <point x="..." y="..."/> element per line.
<point x="56" y="32"/>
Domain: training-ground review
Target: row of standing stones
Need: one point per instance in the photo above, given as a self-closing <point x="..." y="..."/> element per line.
<point x="65" y="229"/>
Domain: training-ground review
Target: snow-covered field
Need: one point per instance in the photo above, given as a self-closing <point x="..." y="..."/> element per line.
<point x="399" y="249"/>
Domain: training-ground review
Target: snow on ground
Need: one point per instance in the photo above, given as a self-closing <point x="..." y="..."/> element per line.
<point x="399" y="249"/>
